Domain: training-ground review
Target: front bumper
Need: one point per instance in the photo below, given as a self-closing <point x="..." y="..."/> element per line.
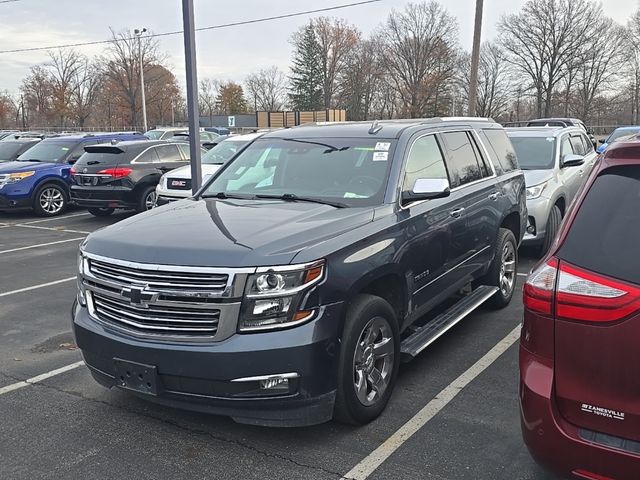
<point x="557" y="444"/>
<point x="103" y="197"/>
<point x="8" y="202"/>
<point x="538" y="214"/>
<point x="199" y="376"/>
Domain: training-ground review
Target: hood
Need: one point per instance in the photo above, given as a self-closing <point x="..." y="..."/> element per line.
<point x="224" y="233"/>
<point x="536" y="177"/>
<point x="13" y="167"/>
<point x="185" y="172"/>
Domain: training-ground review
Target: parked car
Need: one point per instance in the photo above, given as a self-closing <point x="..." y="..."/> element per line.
<point x="556" y="162"/>
<point x="124" y="175"/>
<point x="290" y="289"/>
<point x="218" y="130"/>
<point x="579" y="353"/>
<point x="6" y="133"/>
<point x="40" y="178"/>
<point x="617" y="134"/>
<point x="176" y="184"/>
<point x="11" y="150"/>
<point x="207" y="139"/>
<point x="165" y="133"/>
<point x="563" y="122"/>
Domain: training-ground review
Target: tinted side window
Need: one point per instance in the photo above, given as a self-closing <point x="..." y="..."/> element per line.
<point x="576" y="143"/>
<point x="425" y="161"/>
<point x="463" y="163"/>
<point x="498" y="141"/>
<point x="168" y="153"/>
<point x="605" y="239"/>
<point x="150" y="156"/>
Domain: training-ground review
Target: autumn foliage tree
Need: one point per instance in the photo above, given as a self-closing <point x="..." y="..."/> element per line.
<point x="231" y="99"/>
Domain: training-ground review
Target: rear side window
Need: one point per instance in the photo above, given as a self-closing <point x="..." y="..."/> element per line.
<point x="605" y="235"/>
<point x="425" y="161"/>
<point x="169" y="153"/>
<point x="499" y="143"/>
<point x="148" y="156"/>
<point x="464" y="165"/>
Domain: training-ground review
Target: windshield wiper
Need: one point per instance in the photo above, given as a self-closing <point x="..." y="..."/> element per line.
<point x="224" y="196"/>
<point x="290" y="197"/>
<point x="330" y="148"/>
<point x="30" y="160"/>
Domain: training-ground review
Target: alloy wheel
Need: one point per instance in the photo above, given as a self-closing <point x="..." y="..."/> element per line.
<point x="51" y="200"/>
<point x="373" y="361"/>
<point x="150" y="200"/>
<point x="507" y="269"/>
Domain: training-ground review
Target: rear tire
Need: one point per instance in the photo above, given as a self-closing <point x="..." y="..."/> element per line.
<point x="553" y="225"/>
<point x="503" y="271"/>
<point x="146" y="200"/>
<point x="50" y="200"/>
<point x="369" y="360"/>
<point x="101" y="212"/>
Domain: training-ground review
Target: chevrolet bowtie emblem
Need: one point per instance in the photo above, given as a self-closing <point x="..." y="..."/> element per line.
<point x="139" y="296"/>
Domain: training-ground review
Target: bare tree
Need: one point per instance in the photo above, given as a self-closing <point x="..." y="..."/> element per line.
<point x="122" y="67"/>
<point x="632" y="70"/>
<point x="419" y="46"/>
<point x="36" y="89"/>
<point x="542" y="38"/>
<point x="361" y="80"/>
<point x="208" y="95"/>
<point x="267" y="89"/>
<point x="336" y="40"/>
<point x="86" y="87"/>
<point x="64" y="69"/>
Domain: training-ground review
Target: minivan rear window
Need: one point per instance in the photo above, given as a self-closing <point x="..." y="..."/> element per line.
<point x="605" y="235"/>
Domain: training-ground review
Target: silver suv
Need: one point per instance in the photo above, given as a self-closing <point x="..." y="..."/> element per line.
<point x="556" y="162"/>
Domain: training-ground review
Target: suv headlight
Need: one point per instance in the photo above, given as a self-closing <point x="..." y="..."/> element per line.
<point x="273" y="295"/>
<point x="16" y="177"/>
<point x="82" y="267"/>
<point x="535" y="191"/>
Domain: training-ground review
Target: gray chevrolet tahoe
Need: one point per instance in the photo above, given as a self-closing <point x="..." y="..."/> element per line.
<point x="289" y="289"/>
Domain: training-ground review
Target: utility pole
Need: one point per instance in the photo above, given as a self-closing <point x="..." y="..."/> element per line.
<point x="138" y="33"/>
<point x="475" y="60"/>
<point x="193" y="111"/>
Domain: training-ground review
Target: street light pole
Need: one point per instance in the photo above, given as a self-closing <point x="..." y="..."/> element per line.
<point x="193" y="110"/>
<point x="475" y="60"/>
<point x="138" y="34"/>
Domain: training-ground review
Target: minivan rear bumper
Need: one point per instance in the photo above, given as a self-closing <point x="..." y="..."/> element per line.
<point x="200" y="376"/>
<point x="555" y="443"/>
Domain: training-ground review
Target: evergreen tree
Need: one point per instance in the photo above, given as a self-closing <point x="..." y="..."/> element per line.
<point x="305" y="92"/>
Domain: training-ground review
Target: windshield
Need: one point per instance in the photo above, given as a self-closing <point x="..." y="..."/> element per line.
<point x="154" y="134"/>
<point x="8" y="150"/>
<point x="47" y="152"/>
<point x="223" y="152"/>
<point x="622" y="132"/>
<point x="535" y="153"/>
<point x="348" y="171"/>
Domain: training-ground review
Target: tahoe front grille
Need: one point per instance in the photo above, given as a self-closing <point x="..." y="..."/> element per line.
<point x="163" y="302"/>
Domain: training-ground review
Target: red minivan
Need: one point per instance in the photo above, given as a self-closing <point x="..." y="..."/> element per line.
<point x="580" y="343"/>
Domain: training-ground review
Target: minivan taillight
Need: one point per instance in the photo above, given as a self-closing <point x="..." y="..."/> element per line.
<point x="591" y="297"/>
<point x="116" y="172"/>
<point x="539" y="287"/>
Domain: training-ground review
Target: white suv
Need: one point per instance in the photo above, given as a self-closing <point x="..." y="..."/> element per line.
<point x="176" y="184"/>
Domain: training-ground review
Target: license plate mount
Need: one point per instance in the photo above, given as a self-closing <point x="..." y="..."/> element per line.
<point x="136" y="377"/>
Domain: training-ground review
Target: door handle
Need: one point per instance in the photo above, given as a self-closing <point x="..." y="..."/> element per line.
<point x="457" y="213"/>
<point x="581" y="172"/>
<point x="494" y="196"/>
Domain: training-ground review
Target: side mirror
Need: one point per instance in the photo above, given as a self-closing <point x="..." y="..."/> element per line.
<point x="602" y="141"/>
<point x="572" y="160"/>
<point x="427" y="189"/>
<point x="72" y="160"/>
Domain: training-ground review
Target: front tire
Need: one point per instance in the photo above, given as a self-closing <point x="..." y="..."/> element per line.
<point x="146" y="200"/>
<point x="503" y="270"/>
<point x="50" y="200"/>
<point x="101" y="212"/>
<point x="369" y="359"/>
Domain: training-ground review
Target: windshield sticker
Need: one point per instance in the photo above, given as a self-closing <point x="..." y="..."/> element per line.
<point x="550" y="139"/>
<point x="363" y="149"/>
<point x="354" y="195"/>
<point x="383" y="146"/>
<point x="380" y="156"/>
<point x="65" y="149"/>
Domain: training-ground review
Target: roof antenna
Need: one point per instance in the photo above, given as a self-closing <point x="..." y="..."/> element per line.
<point x="375" y="128"/>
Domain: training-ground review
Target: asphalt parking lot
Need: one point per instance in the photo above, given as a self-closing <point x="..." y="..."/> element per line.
<point x="61" y="424"/>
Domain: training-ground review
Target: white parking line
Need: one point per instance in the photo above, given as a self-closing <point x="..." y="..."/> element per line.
<point x="84" y="214"/>
<point x="367" y="466"/>
<point x="39" y="378"/>
<point x="53" y="229"/>
<point x="35" y="287"/>
<point x="41" y="245"/>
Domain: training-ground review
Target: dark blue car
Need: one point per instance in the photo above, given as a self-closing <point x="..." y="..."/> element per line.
<point x="40" y="178"/>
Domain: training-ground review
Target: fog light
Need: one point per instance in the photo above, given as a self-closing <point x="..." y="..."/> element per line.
<point x="276" y="383"/>
<point x="531" y="229"/>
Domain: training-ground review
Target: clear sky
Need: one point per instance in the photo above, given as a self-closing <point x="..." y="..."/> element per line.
<point x="229" y="53"/>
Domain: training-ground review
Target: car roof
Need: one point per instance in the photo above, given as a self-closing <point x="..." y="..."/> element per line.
<point x="243" y="138"/>
<point x="134" y="144"/>
<point x="23" y="140"/>
<point x="375" y="129"/>
<point x="169" y="129"/>
<point x="90" y="136"/>
<point x="540" y="131"/>
<point x="557" y="119"/>
<point x="628" y="127"/>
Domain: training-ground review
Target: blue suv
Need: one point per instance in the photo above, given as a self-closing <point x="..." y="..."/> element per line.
<point x="40" y="178"/>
